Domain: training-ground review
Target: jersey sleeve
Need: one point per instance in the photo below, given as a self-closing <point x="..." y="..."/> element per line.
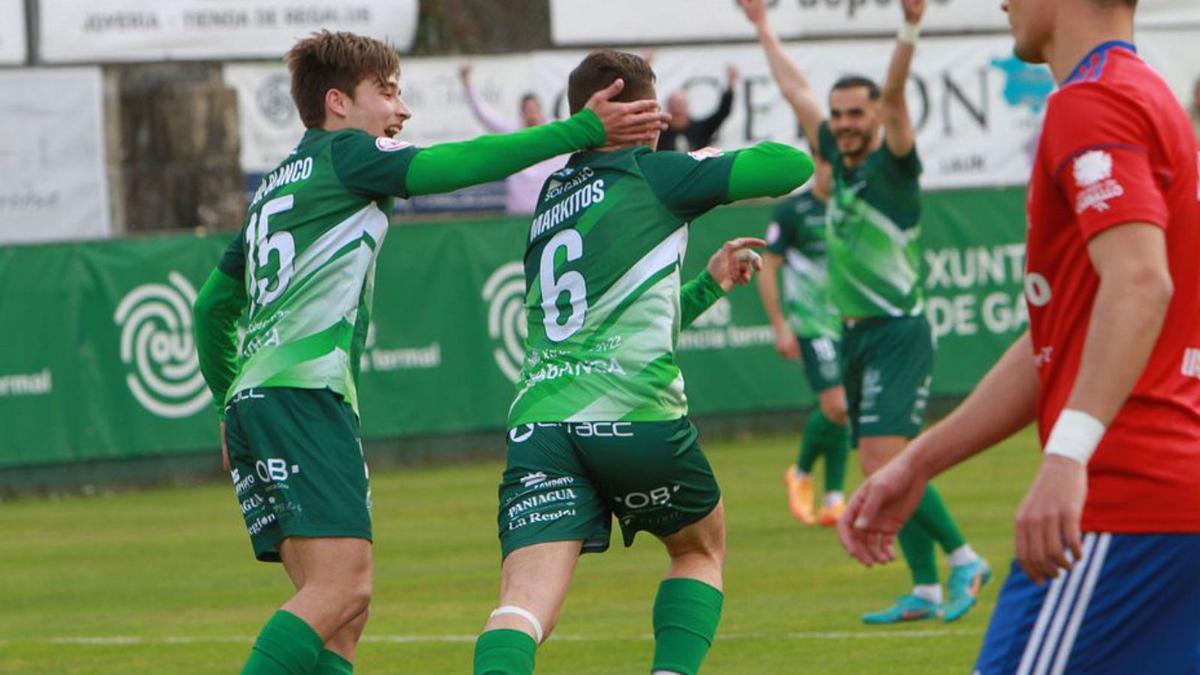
<point x="696" y="296"/>
<point x="689" y="183"/>
<point x="826" y="144"/>
<point x="1098" y="146"/>
<point x="218" y="305"/>
<point x="372" y="166"/>
<point x="908" y="166"/>
<point x="782" y="229"/>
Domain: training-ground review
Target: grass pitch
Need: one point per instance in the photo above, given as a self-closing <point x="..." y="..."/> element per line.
<point x="164" y="581"/>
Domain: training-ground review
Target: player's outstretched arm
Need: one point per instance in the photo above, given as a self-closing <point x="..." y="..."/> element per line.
<point x="768" y="170"/>
<point x="450" y="166"/>
<point x="217" y="307"/>
<point x="1003" y="403"/>
<point x="732" y="265"/>
<point x="898" y="131"/>
<point x="787" y="73"/>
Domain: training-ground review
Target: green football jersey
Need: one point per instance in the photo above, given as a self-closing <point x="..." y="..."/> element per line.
<point x="602" y="284"/>
<point x="872" y="230"/>
<point x="797" y="234"/>
<point x="307" y="253"/>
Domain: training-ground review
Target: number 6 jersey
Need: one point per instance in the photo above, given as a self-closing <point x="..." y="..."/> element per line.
<point x="602" y="263"/>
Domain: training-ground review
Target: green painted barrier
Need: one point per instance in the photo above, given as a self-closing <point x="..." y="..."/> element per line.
<point x="98" y="360"/>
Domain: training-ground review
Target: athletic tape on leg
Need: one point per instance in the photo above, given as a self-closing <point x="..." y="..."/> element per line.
<point x="524" y="614"/>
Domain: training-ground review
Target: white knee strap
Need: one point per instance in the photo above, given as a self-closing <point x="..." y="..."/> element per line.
<point x="524" y="614"/>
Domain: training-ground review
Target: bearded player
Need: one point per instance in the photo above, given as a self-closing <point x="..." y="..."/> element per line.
<point x="1107" y="571"/>
<point x="300" y="279"/>
<point x="873" y="236"/>
<point x="599" y="426"/>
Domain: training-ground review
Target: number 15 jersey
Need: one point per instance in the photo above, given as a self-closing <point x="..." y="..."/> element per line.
<point x="602" y="265"/>
<point x="307" y="253"/>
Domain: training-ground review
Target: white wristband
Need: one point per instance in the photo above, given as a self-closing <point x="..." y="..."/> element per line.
<point x="909" y="33"/>
<point x="1075" y="435"/>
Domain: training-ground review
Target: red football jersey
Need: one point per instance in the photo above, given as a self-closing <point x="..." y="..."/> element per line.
<point x="1117" y="148"/>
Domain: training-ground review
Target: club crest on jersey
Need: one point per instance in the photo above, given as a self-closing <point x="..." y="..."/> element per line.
<point x="386" y="144"/>
<point x="1093" y="175"/>
<point x="705" y="153"/>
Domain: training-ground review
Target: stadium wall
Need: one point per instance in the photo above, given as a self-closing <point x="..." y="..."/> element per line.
<point x="100" y="364"/>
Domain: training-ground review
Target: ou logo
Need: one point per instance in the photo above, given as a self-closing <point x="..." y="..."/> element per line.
<point x="157" y="348"/>
<point x="504" y="291"/>
<point x="1037" y="290"/>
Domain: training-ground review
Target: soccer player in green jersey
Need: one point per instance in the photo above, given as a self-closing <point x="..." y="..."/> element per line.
<point x="599" y="428"/>
<point x="810" y="331"/>
<point x="300" y="279"/>
<point x="873" y="224"/>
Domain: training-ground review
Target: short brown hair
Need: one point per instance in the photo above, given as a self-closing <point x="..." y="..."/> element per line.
<point x="325" y="60"/>
<point x="600" y="68"/>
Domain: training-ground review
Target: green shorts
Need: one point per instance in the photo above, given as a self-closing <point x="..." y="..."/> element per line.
<point x="887" y="365"/>
<point x="822" y="357"/>
<point x="298" y="466"/>
<point x="565" y="481"/>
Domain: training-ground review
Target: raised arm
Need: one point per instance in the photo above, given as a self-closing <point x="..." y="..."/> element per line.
<point x="491" y="120"/>
<point x="898" y="131"/>
<point x="787" y="74"/>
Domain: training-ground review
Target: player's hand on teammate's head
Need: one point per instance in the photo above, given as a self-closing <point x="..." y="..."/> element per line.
<point x="877" y="511"/>
<point x="756" y="10"/>
<point x="627" y="123"/>
<point x="735" y="263"/>
<point x="1048" y="519"/>
<point x="913" y="10"/>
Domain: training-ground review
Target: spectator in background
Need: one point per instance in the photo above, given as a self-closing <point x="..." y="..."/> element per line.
<point x="521" y="188"/>
<point x="687" y="133"/>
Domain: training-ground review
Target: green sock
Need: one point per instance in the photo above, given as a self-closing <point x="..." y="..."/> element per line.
<point x="837" y="451"/>
<point x="813" y="442"/>
<point x="686" y="614"/>
<point x="935" y="518"/>
<point x="332" y="663"/>
<point x="504" y="652"/>
<point x="286" y="646"/>
<point x="917" y="546"/>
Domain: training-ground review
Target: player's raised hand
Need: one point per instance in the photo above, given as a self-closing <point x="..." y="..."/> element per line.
<point x="877" y="511"/>
<point x="913" y="10"/>
<point x="224" y="451"/>
<point x="731" y="73"/>
<point x="633" y="122"/>
<point x="756" y="11"/>
<point x="1048" y="519"/>
<point x="464" y="72"/>
<point x="734" y="264"/>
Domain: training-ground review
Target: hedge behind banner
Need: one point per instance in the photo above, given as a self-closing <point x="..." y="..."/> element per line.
<point x="98" y="359"/>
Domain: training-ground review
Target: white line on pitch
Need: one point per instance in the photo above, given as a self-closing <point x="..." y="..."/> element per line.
<point x="130" y="640"/>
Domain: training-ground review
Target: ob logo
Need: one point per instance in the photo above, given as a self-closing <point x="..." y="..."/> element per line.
<point x="504" y="291"/>
<point x="156" y="340"/>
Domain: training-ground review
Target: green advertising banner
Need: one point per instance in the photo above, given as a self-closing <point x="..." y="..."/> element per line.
<point x="99" y="360"/>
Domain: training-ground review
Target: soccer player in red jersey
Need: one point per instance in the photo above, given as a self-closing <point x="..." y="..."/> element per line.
<point x="1110" y="370"/>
